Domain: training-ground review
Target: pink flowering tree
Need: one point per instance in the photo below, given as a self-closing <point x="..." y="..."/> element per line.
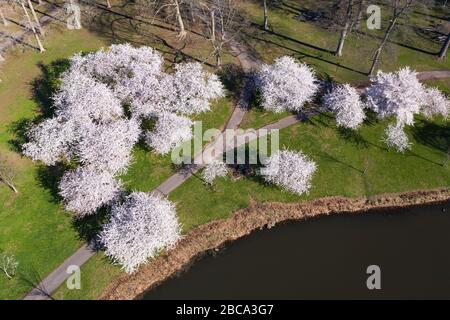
<point x="286" y="85"/>
<point x="139" y="229"/>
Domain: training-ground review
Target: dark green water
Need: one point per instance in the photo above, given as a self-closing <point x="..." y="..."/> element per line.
<point x="327" y="258"/>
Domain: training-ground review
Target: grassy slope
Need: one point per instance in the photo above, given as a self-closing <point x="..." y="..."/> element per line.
<point x="337" y="158"/>
<point x="296" y="38"/>
<point x="358" y="166"/>
<point x="34" y="228"/>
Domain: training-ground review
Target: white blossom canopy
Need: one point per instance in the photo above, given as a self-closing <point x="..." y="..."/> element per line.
<point x="395" y="137"/>
<point x="214" y="169"/>
<point x="50" y="140"/>
<point x="435" y="103"/>
<point x="107" y="147"/>
<point x="99" y="108"/>
<point x="85" y="190"/>
<point x="344" y="101"/>
<point x="170" y="132"/>
<point x="194" y="88"/>
<point x="286" y="85"/>
<point x="139" y="228"/>
<point x="398" y="94"/>
<point x="290" y="170"/>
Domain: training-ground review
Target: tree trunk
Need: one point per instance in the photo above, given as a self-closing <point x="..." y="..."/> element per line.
<point x="182" y="33"/>
<point x="9" y="184"/>
<point x="444" y="48"/>
<point x="382" y="44"/>
<point x="218" y="59"/>
<point x="344" y="32"/>
<point x="191" y="7"/>
<point x="30" y="5"/>
<point x="359" y="15"/>
<point x="33" y="29"/>
<point x="108" y="4"/>
<point x="213" y="26"/>
<point x="5" y="23"/>
<point x="266" y="16"/>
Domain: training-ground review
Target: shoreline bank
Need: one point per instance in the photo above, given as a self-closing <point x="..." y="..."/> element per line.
<point x="211" y="236"/>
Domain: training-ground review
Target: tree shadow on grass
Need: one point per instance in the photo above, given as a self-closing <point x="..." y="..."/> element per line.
<point x="89" y="227"/>
<point x="45" y="86"/>
<point x="19" y="130"/>
<point x="328" y="157"/>
<point x="432" y="135"/>
<point x="49" y="178"/>
<point x="232" y="77"/>
<point x="371" y="118"/>
<point x="353" y="136"/>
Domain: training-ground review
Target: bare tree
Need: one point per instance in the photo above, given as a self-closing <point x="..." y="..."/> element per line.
<point x="182" y="33"/>
<point x="176" y="5"/>
<point x="221" y="19"/>
<point x="444" y="48"/>
<point x="35" y="17"/>
<point x="8" y="264"/>
<point x="2" y="16"/>
<point x="399" y="7"/>
<point x="31" y="24"/>
<point x="358" y="17"/>
<point x="7" y="175"/>
<point x="348" y="19"/>
<point x="266" y="15"/>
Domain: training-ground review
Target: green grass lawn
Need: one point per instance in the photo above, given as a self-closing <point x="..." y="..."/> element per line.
<point x="41" y="235"/>
<point x="314" y="44"/>
<point x="348" y="165"/>
<point x="35" y="228"/>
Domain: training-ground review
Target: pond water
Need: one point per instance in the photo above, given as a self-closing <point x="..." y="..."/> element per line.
<point x="327" y="258"/>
